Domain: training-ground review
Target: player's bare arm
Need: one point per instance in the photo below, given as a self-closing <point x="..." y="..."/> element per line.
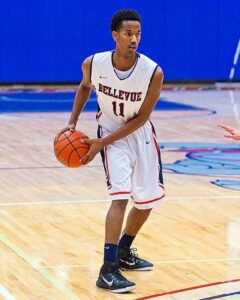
<point x="141" y="118"/>
<point x="232" y="133"/>
<point x="83" y="92"/>
<point x="81" y="97"/>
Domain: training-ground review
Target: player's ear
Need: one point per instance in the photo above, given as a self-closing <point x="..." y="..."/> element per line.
<point x="114" y="35"/>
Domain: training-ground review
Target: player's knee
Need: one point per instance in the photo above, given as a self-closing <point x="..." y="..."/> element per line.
<point x="119" y="204"/>
<point x="143" y="211"/>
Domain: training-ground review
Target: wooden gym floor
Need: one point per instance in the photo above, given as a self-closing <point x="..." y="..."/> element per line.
<point x="52" y="218"/>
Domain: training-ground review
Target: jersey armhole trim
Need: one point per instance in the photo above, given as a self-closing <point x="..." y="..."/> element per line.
<point x="154" y="71"/>
<point x="91" y="68"/>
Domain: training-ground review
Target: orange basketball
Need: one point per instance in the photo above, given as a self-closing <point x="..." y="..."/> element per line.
<point x="68" y="148"/>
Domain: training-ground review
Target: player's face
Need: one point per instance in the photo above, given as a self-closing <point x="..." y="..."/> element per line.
<point x="128" y="37"/>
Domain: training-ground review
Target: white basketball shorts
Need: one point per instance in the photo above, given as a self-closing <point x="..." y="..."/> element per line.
<point x="133" y="167"/>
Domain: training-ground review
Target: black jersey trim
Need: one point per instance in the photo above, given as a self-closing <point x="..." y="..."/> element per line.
<point x="137" y="56"/>
<point x="154" y="71"/>
<point x="99" y="134"/>
<point x="159" y="157"/>
<point x="91" y="68"/>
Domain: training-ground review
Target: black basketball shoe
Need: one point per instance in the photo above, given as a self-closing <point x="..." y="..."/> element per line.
<point x="129" y="260"/>
<point x="110" y="278"/>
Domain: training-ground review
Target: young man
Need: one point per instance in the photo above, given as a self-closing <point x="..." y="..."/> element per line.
<point x="128" y="86"/>
<point x="232" y="132"/>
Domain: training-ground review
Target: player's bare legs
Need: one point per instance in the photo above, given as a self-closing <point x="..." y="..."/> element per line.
<point x="128" y="259"/>
<point x="114" y="220"/>
<point x="136" y="219"/>
<point x="110" y="277"/>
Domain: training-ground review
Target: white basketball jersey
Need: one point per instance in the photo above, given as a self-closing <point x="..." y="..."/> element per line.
<point x="119" y="99"/>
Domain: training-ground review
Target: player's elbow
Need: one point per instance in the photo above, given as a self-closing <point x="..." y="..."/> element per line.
<point x="143" y="118"/>
<point x="85" y="87"/>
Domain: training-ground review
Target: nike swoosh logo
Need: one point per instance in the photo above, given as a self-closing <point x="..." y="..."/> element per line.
<point x="102" y="77"/>
<point x="107" y="282"/>
<point x="147" y="142"/>
<point x="128" y="263"/>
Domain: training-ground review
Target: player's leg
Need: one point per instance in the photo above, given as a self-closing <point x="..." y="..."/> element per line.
<point x="136" y="219"/>
<point x="110" y="276"/>
<point x="113" y="226"/>
<point x="127" y="256"/>
<point x="118" y="175"/>
<point x="147" y="192"/>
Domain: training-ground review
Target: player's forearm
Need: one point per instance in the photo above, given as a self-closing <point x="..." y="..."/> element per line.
<point x="82" y="95"/>
<point x="125" y="130"/>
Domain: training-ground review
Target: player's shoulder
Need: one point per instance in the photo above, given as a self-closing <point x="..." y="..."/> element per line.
<point x="145" y="58"/>
<point x="101" y="56"/>
<point x="97" y="57"/>
<point x="147" y="61"/>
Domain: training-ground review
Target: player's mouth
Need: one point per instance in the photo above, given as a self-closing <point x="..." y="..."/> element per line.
<point x="133" y="47"/>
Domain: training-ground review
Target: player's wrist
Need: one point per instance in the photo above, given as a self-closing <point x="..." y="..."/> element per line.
<point x="72" y="124"/>
<point x="104" y="142"/>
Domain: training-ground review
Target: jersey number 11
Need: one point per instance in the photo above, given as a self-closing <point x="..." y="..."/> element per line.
<point x="120" y="111"/>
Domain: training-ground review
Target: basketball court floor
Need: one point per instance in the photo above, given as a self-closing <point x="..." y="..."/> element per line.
<point x="52" y="217"/>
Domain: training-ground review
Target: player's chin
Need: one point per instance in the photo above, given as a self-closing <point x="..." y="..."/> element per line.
<point x="132" y="49"/>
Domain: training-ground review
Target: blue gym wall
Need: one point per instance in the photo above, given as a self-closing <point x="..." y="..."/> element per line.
<point x="46" y="40"/>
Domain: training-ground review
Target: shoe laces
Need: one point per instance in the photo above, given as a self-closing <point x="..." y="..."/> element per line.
<point x="132" y="254"/>
<point x="118" y="272"/>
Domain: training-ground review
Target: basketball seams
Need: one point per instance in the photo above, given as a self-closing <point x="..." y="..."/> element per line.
<point x="58" y="141"/>
<point x="64" y="149"/>
<point x="67" y="155"/>
<point x="74" y="150"/>
<point x="70" y="143"/>
<point x="81" y="147"/>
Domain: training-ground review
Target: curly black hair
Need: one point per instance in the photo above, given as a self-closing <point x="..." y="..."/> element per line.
<point x="124" y="15"/>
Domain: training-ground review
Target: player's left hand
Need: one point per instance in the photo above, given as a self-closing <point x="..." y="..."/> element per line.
<point x="96" y="146"/>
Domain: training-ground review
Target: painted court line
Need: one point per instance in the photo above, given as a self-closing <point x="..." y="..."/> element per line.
<point x="182" y="291"/>
<point x="5" y="293"/>
<point x="221" y="296"/>
<point x="58" y="284"/>
<point x="234" y="197"/>
<point x="166" y="262"/>
<point x="235" y="60"/>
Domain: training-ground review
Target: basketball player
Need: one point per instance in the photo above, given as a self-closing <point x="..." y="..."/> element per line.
<point x="232" y="132"/>
<point x="128" y="86"/>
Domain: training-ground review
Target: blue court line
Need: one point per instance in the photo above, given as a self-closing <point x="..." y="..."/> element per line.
<point x="221" y="296"/>
<point x="63" y="101"/>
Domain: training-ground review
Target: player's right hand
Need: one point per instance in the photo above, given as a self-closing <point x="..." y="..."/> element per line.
<point x="232" y="133"/>
<point x="70" y="127"/>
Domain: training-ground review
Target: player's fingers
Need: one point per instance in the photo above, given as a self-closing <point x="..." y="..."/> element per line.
<point x="57" y="136"/>
<point x="67" y="128"/>
<point x="84" y="159"/>
<point x="236" y="138"/>
<point x="228" y="136"/>
<point x="62" y="131"/>
<point x="223" y="126"/>
<point x="88" y="141"/>
<point x="228" y="128"/>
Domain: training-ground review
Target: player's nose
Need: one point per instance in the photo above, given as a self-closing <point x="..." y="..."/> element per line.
<point x="134" y="39"/>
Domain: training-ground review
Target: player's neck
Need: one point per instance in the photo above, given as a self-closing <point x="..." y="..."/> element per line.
<point x="123" y="63"/>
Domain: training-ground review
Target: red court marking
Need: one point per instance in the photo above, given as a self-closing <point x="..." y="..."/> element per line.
<point x="187" y="289"/>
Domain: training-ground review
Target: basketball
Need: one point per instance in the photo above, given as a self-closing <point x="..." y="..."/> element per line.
<point x="68" y="148"/>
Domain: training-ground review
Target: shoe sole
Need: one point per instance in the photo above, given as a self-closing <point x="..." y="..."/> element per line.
<point x="140" y="269"/>
<point x="124" y="290"/>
